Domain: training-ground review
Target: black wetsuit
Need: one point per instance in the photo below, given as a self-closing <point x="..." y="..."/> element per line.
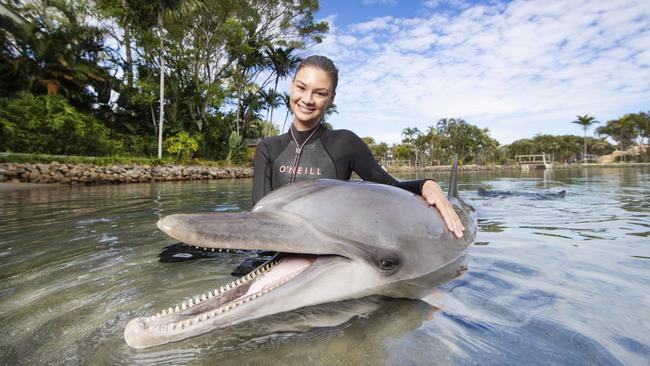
<point x="328" y="154"/>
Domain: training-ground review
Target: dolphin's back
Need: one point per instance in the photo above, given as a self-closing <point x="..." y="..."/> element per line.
<point x="388" y="214"/>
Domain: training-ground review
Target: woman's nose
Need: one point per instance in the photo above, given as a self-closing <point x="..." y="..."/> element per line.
<point x="308" y="97"/>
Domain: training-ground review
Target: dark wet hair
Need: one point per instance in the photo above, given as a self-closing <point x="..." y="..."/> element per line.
<point x="323" y="63"/>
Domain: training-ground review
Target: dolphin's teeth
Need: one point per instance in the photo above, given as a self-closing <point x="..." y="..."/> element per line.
<point x="228" y="286"/>
<point x="170" y="310"/>
<point x="218" y="311"/>
<point x="237" y="282"/>
<point x="196" y="300"/>
<point x="173" y="326"/>
<point x="220" y="250"/>
<point x="222" y="289"/>
<point x="253" y="296"/>
<point x="213" y="249"/>
<point x="164" y="312"/>
<point x="239" y="302"/>
<point x="177" y="308"/>
<point x="184" y="306"/>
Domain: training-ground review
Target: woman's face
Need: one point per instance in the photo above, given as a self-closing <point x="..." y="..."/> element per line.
<point x="311" y="94"/>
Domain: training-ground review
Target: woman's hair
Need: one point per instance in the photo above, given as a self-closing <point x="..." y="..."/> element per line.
<point x="323" y="63"/>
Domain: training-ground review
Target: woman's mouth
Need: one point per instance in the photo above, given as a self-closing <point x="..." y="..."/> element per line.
<point x="306" y="110"/>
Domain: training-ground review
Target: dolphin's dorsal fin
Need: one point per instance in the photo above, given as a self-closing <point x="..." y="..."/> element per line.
<point x="453" y="182"/>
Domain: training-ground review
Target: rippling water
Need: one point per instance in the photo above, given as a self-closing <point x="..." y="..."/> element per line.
<point x="564" y="281"/>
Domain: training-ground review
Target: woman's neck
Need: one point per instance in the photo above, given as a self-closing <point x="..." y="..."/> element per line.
<point x="301" y="126"/>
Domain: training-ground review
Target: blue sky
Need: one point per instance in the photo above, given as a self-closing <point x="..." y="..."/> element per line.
<point x="517" y="67"/>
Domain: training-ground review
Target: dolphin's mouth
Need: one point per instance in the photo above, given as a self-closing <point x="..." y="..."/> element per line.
<point x="220" y="306"/>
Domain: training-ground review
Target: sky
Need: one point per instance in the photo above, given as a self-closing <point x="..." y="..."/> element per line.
<point x="517" y="68"/>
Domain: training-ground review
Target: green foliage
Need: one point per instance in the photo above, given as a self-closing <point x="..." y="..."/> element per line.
<point x="218" y="54"/>
<point x="182" y="146"/>
<point x="236" y="148"/>
<point x="561" y="148"/>
<point x="49" y="124"/>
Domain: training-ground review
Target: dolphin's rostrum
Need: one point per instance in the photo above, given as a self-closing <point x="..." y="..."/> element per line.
<point x="336" y="240"/>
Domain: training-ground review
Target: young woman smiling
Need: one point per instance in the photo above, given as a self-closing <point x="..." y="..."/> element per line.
<point x="310" y="151"/>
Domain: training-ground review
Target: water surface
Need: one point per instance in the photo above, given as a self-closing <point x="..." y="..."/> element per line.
<point x="563" y="281"/>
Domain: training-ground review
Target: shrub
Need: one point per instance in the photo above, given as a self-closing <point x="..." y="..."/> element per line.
<point x="182" y="146"/>
<point x="49" y="124"/>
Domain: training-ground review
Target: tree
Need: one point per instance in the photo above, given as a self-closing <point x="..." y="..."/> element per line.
<point x="283" y="63"/>
<point x="621" y="130"/>
<point x="410" y="134"/>
<point x="585" y="121"/>
<point x="33" y="58"/>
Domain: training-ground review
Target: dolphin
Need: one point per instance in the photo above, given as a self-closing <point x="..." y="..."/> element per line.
<point x="336" y="240"/>
<point x="532" y="195"/>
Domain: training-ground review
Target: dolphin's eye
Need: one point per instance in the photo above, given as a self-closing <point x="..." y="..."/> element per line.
<point x="388" y="264"/>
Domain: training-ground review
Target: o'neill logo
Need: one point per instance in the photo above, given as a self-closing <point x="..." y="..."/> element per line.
<point x="300" y="170"/>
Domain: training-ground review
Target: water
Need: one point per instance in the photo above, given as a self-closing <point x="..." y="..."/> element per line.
<point x="549" y="282"/>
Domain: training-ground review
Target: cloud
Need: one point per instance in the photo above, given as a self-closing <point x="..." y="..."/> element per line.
<point x="518" y="68"/>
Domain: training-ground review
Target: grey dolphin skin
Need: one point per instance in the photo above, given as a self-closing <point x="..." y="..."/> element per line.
<point x="531" y="195"/>
<point x="335" y="240"/>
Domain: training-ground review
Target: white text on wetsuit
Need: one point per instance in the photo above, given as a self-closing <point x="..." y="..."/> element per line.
<point x="300" y="170"/>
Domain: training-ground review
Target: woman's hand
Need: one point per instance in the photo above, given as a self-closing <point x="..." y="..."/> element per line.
<point x="434" y="196"/>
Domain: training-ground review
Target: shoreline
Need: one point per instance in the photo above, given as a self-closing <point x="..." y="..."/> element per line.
<point x="89" y="174"/>
<point x="443" y="168"/>
<point x="14" y="175"/>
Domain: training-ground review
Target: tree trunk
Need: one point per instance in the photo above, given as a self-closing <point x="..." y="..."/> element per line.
<point x="162" y="85"/>
<point x="238" y="100"/>
<point x="584" y="156"/>
<point x="275" y="90"/>
<point x="127" y="46"/>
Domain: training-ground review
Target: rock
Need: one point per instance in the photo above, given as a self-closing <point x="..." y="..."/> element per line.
<point x="43" y="168"/>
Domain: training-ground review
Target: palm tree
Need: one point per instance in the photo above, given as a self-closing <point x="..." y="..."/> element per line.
<point x="286" y="98"/>
<point x="585" y="121"/>
<point x="409" y="137"/>
<point x="282" y="64"/>
<point x="271" y="99"/>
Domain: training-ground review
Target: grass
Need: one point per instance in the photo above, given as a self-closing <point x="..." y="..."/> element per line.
<point x="23" y="158"/>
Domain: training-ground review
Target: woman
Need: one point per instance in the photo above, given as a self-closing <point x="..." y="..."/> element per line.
<point x="310" y="151"/>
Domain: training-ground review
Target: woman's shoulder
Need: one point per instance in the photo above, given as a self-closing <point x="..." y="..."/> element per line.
<point x="275" y="140"/>
<point x="344" y="134"/>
